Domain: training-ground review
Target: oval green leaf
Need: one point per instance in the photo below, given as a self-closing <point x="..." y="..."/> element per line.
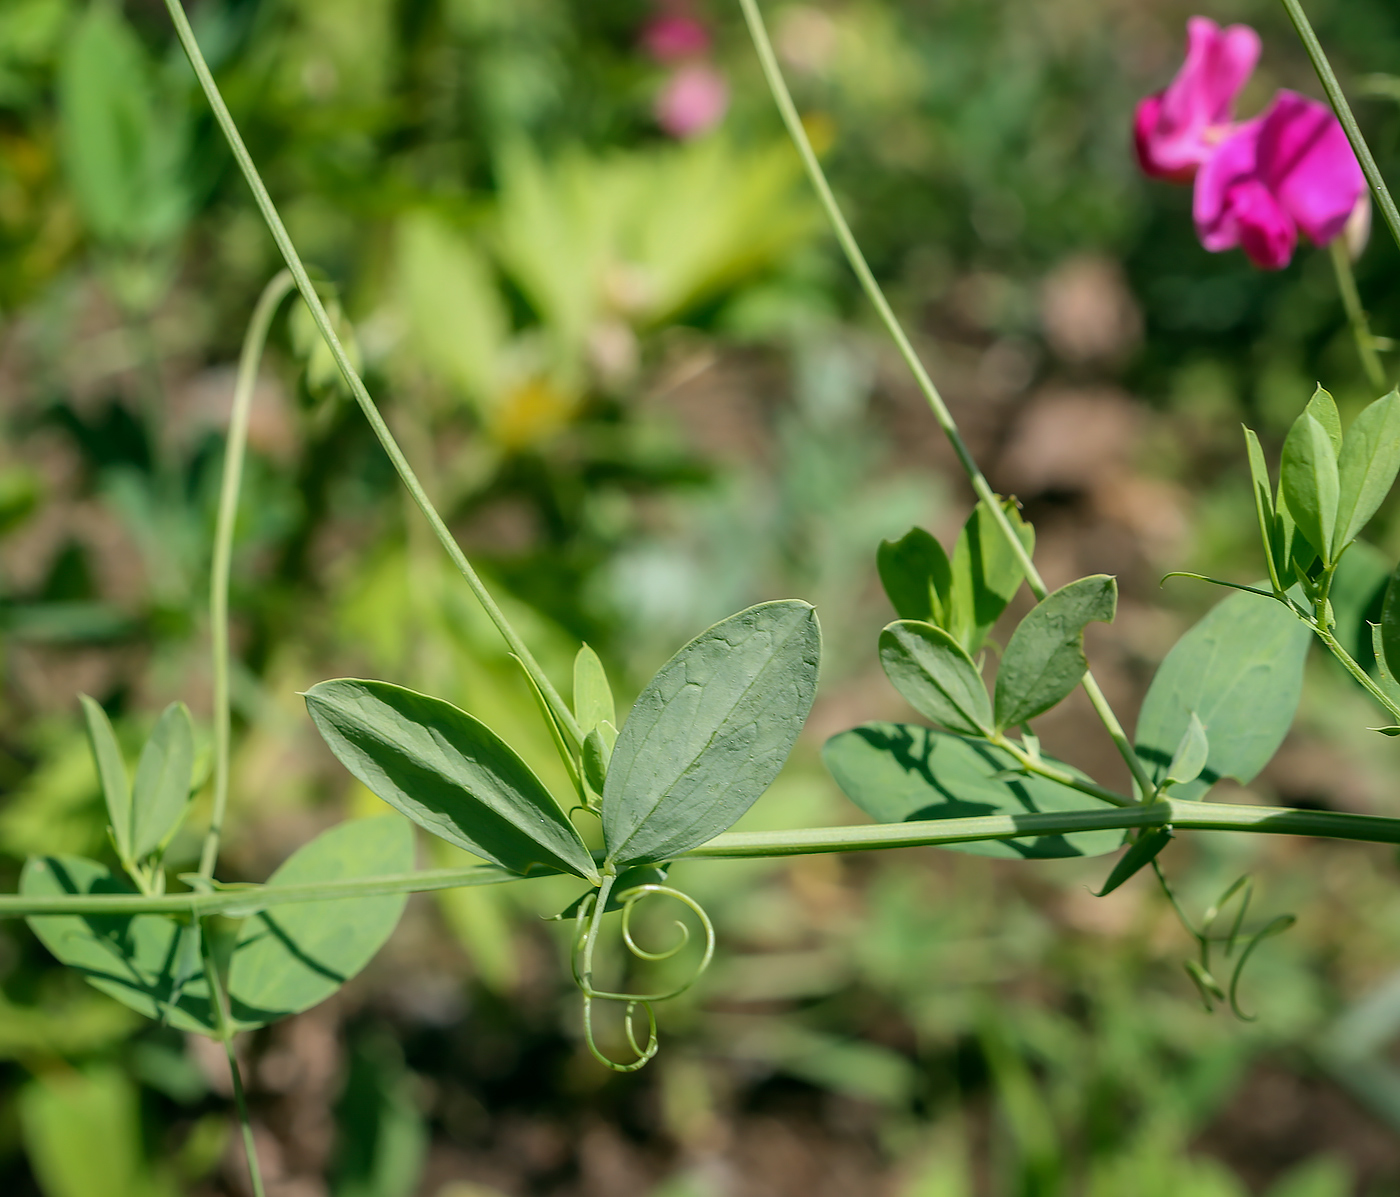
<point x="900" y="772"/>
<point x="986" y="573"/>
<point x="161" y="794"/>
<point x="142" y="960"/>
<point x="1369" y="461"/>
<point x="1310" y="482"/>
<point x="1044" y="659"/>
<point x="288" y="958"/>
<point x="1240" y="671"/>
<point x="916" y="575"/>
<point x="710" y="732"/>
<point x="936" y="676"/>
<point x="111" y="772"/>
<point x="449" y="773"/>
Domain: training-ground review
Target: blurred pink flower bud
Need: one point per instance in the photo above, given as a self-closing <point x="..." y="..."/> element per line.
<point x="1178" y="129"/>
<point x="674" y="38"/>
<point x="693" y="100"/>
<point x="1291" y="169"/>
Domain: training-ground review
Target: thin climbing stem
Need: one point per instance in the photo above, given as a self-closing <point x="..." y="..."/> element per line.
<point x="778" y="86"/>
<point x="1337" y="98"/>
<point x="1356" y="314"/>
<point x="270" y="216"/>
<point x="240" y="1100"/>
<point x="251" y="357"/>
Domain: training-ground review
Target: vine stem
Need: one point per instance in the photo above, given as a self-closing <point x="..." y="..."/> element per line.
<point x="1356" y="314"/>
<point x="240" y="1099"/>
<point x="1337" y="98"/>
<point x="251" y="357"/>
<point x="560" y="709"/>
<point x="1181" y="814"/>
<point x="772" y="72"/>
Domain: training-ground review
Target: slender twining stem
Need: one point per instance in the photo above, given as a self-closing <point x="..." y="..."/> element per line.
<point x="561" y="711"/>
<point x="1338" y="100"/>
<point x="1356" y="314"/>
<point x="1038" y="765"/>
<point x="253" y="341"/>
<point x="1350" y="665"/>
<point x="774" y="75"/>
<point x="1178" y="813"/>
<point x="225" y="1027"/>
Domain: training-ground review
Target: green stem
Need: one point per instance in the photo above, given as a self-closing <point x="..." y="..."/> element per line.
<point x="240" y="1100"/>
<point x="1356" y="314"/>
<point x="1034" y="764"/>
<point x="1338" y="100"/>
<point x="1180" y="814"/>
<point x="1334" y="646"/>
<point x="774" y="75"/>
<point x="357" y="387"/>
<point x="251" y="357"/>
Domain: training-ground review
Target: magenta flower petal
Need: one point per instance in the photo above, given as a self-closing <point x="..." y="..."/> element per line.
<point x="1304" y="158"/>
<point x="1176" y="130"/>
<point x="675" y="37"/>
<point x="1234" y="162"/>
<point x="1267" y="233"/>
<point x="693" y="100"/>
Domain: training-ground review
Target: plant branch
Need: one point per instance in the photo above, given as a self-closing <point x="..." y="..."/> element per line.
<point x="1338" y="100"/>
<point x="357" y="387"/>
<point x="1356" y="314"/>
<point x="249" y="360"/>
<point x="220" y="1002"/>
<point x="774" y="75"/>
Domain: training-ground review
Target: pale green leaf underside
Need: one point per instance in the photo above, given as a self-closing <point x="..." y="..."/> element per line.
<point x="161" y="792"/>
<point x="899" y="772"/>
<point x="1240" y="671"/>
<point x="936" y="676"/>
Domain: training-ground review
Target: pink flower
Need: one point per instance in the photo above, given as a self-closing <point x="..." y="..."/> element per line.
<point x="693" y="100"/>
<point x="675" y="37"/>
<point x="1178" y="129"/>
<point x="1291" y="169"/>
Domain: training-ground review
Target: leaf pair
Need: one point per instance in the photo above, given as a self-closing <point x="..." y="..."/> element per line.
<point x="964" y="596"/>
<point x="144" y="815"/>
<point x="1329" y="487"/>
<point x="706" y="737"/>
<point x="1044" y="661"/>
<point x="286" y="958"/>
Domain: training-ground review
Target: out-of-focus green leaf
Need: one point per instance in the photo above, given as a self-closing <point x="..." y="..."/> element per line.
<point x="122" y="147"/>
<point x="449" y="773"/>
<point x="1367" y="466"/>
<point x="141" y="960"/>
<point x="383" y="1138"/>
<point x="936" y="676"/>
<point x="1044" y="659"/>
<point x="917" y="576"/>
<point x="289" y="958"/>
<point x="1240" y="671"/>
<point x="82" y="1134"/>
<point x="161" y="793"/>
<point x="900" y="772"/>
<point x="111" y="771"/>
<point x="710" y="732"/>
<point x="1357" y="597"/>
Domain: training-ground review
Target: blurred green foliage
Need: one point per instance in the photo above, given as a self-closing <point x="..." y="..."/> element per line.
<point x="636" y="377"/>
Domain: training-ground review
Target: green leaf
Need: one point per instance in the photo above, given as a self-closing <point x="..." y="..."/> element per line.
<point x="936" y="676"/>
<point x="593" y="698"/>
<point x="916" y="575"/>
<point x="1384" y="677"/>
<point x="1044" y="660"/>
<point x="289" y="958"/>
<point x="1191" y="753"/>
<point x="122" y="148"/>
<point x="899" y="772"/>
<point x="1310" y="482"/>
<point x="111" y="771"/>
<point x="1357" y="597"/>
<point x="710" y="732"/>
<point x="161" y="795"/>
<point x="597" y="752"/>
<point x="986" y="573"/>
<point x="137" y="959"/>
<point x="1389" y="636"/>
<point x="449" y="773"/>
<point x="1240" y="671"/>
<point x="1270" y="527"/>
<point x="1323" y="408"/>
<point x="1369" y="461"/>
<point x="1141" y="853"/>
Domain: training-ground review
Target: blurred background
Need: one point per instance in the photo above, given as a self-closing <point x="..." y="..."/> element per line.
<point x="593" y="294"/>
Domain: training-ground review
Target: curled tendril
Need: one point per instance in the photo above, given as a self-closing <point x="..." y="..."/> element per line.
<point x="590" y="914"/>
